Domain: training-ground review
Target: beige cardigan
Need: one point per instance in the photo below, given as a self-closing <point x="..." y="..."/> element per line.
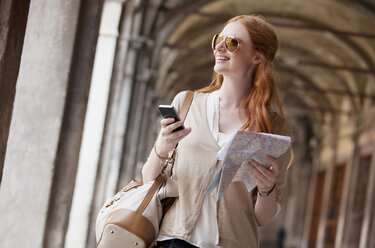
<point x="195" y="167"/>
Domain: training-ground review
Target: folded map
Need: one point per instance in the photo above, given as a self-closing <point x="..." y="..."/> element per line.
<point x="243" y="147"/>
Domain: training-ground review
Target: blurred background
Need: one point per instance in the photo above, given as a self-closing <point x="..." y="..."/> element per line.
<point x="80" y="82"/>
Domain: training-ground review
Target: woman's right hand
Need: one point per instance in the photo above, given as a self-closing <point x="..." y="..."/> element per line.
<point x="167" y="139"/>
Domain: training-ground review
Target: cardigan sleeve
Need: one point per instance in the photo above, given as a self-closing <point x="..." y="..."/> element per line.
<point x="178" y="101"/>
<point x="284" y="160"/>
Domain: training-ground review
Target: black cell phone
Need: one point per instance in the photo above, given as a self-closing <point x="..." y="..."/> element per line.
<point x="168" y="111"/>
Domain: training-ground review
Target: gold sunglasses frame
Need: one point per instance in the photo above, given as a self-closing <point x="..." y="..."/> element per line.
<point x="225" y="42"/>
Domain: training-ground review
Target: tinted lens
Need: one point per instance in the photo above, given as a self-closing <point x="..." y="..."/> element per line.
<point x="216" y="40"/>
<point x="231" y="44"/>
<point x="213" y="42"/>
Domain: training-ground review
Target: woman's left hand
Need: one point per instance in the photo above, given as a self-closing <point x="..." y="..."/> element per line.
<point x="265" y="178"/>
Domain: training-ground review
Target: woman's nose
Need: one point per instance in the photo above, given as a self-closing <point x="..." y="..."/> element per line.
<point x="220" y="45"/>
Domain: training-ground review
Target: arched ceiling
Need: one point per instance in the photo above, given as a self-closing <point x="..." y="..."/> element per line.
<point x="326" y="55"/>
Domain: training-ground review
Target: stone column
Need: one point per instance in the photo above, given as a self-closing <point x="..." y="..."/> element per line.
<point x="368" y="226"/>
<point x="117" y="116"/>
<point x="356" y="217"/>
<point x="47" y="122"/>
<point x="73" y="121"/>
<point x="13" y="18"/>
<point x="94" y="125"/>
<point x="367" y="232"/>
<point x="325" y="200"/>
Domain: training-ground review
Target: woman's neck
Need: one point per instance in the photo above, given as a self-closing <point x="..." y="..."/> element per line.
<point x="232" y="92"/>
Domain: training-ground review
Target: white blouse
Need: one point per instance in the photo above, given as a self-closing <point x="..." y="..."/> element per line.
<point x="205" y="233"/>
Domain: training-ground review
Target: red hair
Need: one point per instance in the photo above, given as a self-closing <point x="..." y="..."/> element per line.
<point x="263" y="90"/>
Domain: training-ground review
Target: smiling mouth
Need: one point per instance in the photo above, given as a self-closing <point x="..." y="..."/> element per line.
<point x="222" y="58"/>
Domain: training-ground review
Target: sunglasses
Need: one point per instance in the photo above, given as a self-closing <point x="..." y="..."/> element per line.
<point x="231" y="42"/>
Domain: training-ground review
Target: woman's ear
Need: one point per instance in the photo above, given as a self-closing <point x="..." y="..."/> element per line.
<point x="257" y="58"/>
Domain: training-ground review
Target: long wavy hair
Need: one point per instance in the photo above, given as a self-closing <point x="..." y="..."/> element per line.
<point x="263" y="91"/>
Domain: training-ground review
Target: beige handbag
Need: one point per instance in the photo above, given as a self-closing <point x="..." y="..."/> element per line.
<point x="132" y="217"/>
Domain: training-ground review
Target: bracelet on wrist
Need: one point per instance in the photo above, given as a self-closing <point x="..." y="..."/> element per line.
<point x="267" y="193"/>
<point x="157" y="154"/>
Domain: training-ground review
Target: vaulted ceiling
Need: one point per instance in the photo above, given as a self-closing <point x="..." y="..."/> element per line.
<point x="324" y="67"/>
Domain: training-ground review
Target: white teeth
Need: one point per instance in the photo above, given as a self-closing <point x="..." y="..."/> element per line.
<point x="221" y="58"/>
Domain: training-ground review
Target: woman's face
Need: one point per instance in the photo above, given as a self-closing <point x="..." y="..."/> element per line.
<point x="241" y="62"/>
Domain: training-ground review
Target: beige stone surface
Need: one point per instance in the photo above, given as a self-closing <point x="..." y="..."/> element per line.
<point x="36" y="122"/>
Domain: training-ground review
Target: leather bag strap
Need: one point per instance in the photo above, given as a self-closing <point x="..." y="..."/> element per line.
<point x="131" y="185"/>
<point x="184" y="110"/>
<point x="155" y="186"/>
<point x="186" y="106"/>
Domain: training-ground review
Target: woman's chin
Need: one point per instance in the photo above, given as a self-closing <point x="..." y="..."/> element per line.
<point x="220" y="69"/>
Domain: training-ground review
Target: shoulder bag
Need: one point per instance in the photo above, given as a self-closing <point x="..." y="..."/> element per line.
<point x="132" y="217"/>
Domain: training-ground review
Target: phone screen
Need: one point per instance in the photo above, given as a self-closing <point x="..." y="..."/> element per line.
<point x="168" y="111"/>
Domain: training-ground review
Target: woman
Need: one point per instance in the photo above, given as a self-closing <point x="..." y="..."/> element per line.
<point x="239" y="98"/>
